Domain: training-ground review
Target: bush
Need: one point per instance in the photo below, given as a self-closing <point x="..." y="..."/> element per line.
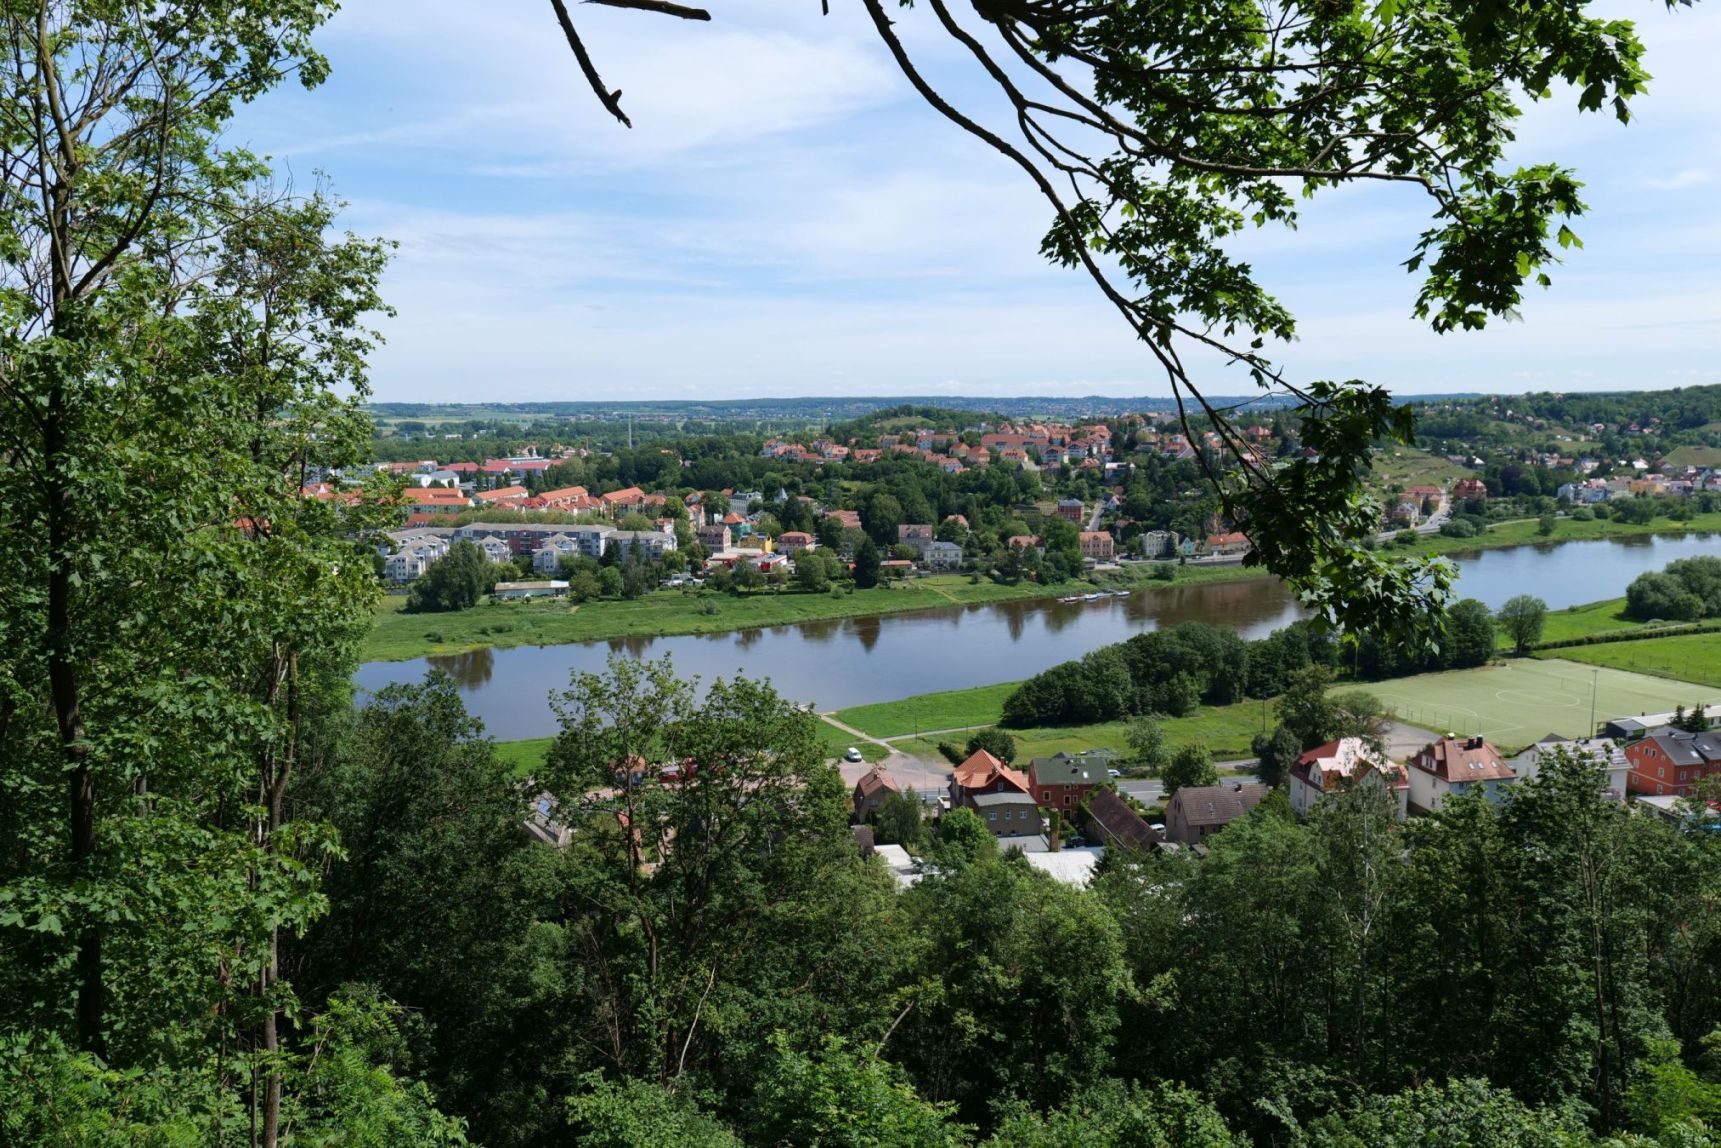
<point x="1583" y="514"/>
<point x="1458" y="528"/>
<point x="994" y="741"/>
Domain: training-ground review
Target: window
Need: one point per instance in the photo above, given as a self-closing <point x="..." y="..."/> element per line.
<point x="1068" y="799"/>
<point x="1661" y="773"/>
<point x="1045" y="795"/>
<point x="991" y="817"/>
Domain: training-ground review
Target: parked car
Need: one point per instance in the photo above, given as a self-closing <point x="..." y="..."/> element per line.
<point x="853" y="754"/>
<point x="1113" y="773"/>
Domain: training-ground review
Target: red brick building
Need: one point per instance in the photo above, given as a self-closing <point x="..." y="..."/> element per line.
<point x="1062" y="781"/>
<point x="1670" y="762"/>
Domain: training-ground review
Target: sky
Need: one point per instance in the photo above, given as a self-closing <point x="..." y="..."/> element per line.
<point x="787" y="218"/>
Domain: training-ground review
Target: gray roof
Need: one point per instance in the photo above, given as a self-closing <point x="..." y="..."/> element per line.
<point x="1217" y="804"/>
<point x="991" y="800"/>
<point x="1063" y="769"/>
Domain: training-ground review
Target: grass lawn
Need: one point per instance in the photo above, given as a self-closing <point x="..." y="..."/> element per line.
<point x="952" y="709"/>
<point x="1523" y="532"/>
<point x="1685" y="658"/>
<point x="525" y="756"/>
<point x="1515" y="703"/>
<point x="837" y="743"/>
<point x="397" y="636"/>
<point x="1225" y="730"/>
<point x="1405" y="466"/>
<point x="1582" y="621"/>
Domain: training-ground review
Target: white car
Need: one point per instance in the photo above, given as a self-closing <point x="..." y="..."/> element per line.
<point x="853" y="754"/>
<point x="1113" y="773"/>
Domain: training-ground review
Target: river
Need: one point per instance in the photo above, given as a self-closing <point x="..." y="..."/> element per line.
<point x="853" y="661"/>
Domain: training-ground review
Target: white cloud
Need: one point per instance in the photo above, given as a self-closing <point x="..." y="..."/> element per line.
<point x="1690" y="177"/>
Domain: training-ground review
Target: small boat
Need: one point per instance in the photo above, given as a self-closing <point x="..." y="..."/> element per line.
<point x="1120" y="593"/>
<point x="1092" y="597"/>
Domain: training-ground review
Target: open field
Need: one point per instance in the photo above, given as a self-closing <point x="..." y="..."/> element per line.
<point x="1582" y="621"/>
<point x="1401" y="466"/>
<point x="1514" y="703"/>
<point x="1226" y="730"/>
<point x="1686" y="658"/>
<point x="950" y="709"/>
<point x="524" y="756"/>
<point x="397" y="636"/>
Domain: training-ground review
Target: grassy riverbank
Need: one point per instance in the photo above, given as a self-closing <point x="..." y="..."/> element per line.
<point x="396" y="636"/>
<point x="1226" y="730"/>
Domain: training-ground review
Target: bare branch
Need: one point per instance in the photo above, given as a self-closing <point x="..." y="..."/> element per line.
<point x="610" y="100"/>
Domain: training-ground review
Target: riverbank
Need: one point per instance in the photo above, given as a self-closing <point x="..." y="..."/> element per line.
<point x="397" y="636"/>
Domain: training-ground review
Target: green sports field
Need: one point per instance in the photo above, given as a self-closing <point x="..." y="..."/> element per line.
<point x="1515" y="703"/>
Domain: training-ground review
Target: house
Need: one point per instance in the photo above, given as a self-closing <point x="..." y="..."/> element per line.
<point x="1196" y="812"/>
<point x="1337" y="764"/>
<point x="621" y="502"/>
<point x="916" y="534"/>
<point x="1454" y="766"/>
<point x="1235" y="542"/>
<point x="942" y="555"/>
<point x="870" y="791"/>
<point x="792" y="542"/>
<point x="436" y="500"/>
<point x="1118" y="826"/>
<point x="547" y="559"/>
<point x="1098" y="545"/>
<point x="496" y="550"/>
<point x="1158" y="543"/>
<point x="1677" y="812"/>
<point x="1072" y="508"/>
<point x="714" y="537"/>
<point x="509" y="591"/>
<point x="1026" y="542"/>
<point x="1062" y="780"/>
<point x="1602" y="751"/>
<point x="1669" y="761"/>
<point x="982" y="773"/>
<point x="741" y="501"/>
<point x="649" y="545"/>
<point x="1467" y="488"/>
<point x="1008" y="813"/>
<point x="504" y="498"/>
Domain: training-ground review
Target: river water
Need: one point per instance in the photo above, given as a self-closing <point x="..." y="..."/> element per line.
<point x="853" y="661"/>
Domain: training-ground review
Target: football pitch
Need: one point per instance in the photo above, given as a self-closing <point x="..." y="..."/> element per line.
<point x="1515" y="703"/>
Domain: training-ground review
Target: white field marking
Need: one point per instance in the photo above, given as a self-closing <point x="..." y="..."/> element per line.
<point x="1538" y="700"/>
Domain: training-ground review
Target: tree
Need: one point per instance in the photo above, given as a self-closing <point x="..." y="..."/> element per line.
<point x="1469" y="634"/>
<point x="1147" y="743"/>
<point x="1521" y="620"/>
<point x="866" y="565"/>
<point x="994" y="741"/>
<point x="456" y="581"/>
<point x="609" y="582"/>
<point x="1305" y="710"/>
<point x="1661" y="597"/>
<point x="899" y="820"/>
<point x="840" y="1097"/>
<point x="1130" y="130"/>
<point x="962" y="838"/>
<point x="1192" y="765"/>
<point x="1276" y="753"/>
<point x="810" y="573"/>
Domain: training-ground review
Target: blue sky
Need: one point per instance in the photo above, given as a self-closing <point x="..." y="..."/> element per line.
<point x="787" y="218"/>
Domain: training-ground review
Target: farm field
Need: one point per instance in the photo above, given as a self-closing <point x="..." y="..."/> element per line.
<point x="1514" y="703"/>
<point x="1686" y="658"/>
<point x="1582" y="621"/>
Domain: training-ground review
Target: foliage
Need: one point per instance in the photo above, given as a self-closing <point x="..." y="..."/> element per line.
<point x="1276" y="753"/>
<point x="456" y="581"/>
<point x="1147" y="744"/>
<point x="1521" y="619"/>
<point x="994" y="741"/>
<point x="641" y="1114"/>
<point x="845" y="1099"/>
<point x="1190" y="766"/>
<point x="900" y="820"/>
<point x="1688" y="589"/>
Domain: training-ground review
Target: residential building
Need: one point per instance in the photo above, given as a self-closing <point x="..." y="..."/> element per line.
<point x="916" y="534"/>
<point x="1158" y="543"/>
<point x="1605" y="752"/>
<point x="525" y="537"/>
<point x="1098" y="545"/>
<point x="792" y="542"/>
<point x="871" y="790"/>
<point x="496" y="550"/>
<point x="504" y="498"/>
<point x="1453" y="766"/>
<point x="1669" y="761"/>
<point x="1063" y="780"/>
<point x="1233" y="543"/>
<point x="436" y="500"/>
<point x="982" y="773"/>
<point x="1467" y="488"/>
<point x="648" y="544"/>
<point x="618" y="503"/>
<point x="942" y="555"/>
<point x="1196" y="812"/>
<point x="1008" y="813"/>
<point x="741" y="501"/>
<point x="1338" y="764"/>
<point x="547" y="559"/>
<point x="1072" y="509"/>
<point x="1116" y="824"/>
<point x="506" y="591"/>
<point x="715" y="537"/>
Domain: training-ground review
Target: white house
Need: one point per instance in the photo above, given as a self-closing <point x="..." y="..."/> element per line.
<point x="496" y="550"/>
<point x="508" y="591"/>
<point x="1603" y="751"/>
<point x="648" y="544"/>
<point x="1453" y="766"/>
<point x="941" y="555"/>
<point x="1347" y="761"/>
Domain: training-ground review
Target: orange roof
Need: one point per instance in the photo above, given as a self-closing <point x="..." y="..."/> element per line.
<point x="982" y="769"/>
<point x="631" y="494"/>
<point x="875" y="781"/>
<point x="567" y="492"/>
<point x="503" y="494"/>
